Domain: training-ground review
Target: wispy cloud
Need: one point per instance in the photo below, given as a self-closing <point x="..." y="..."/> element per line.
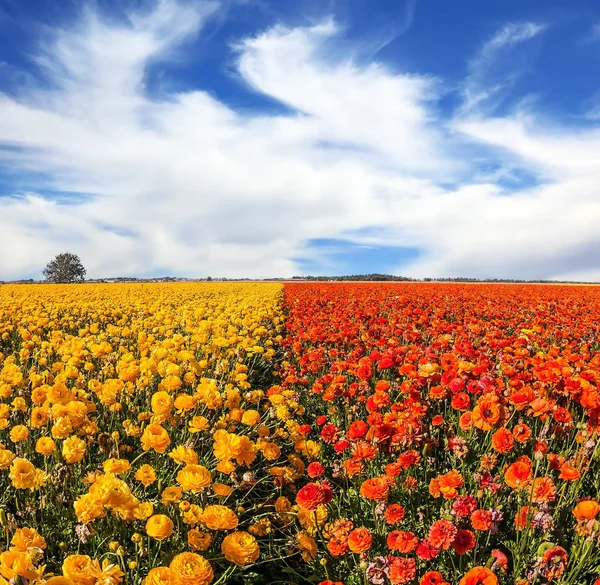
<point x="494" y="68"/>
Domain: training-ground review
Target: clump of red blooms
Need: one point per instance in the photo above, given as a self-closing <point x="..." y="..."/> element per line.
<point x="453" y="431"/>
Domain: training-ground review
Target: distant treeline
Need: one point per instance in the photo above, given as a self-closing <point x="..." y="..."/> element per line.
<point x="345" y="278"/>
<point x="393" y="278"/>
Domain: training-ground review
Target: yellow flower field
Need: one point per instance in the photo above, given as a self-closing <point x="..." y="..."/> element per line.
<point x="141" y="440"/>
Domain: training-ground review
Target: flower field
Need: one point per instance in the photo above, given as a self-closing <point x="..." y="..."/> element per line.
<point x="187" y="434"/>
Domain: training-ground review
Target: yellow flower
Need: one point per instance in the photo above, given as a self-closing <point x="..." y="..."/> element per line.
<point x="198" y="424"/>
<point x="190" y="569"/>
<point x="116" y="466"/>
<point x="73" y="449"/>
<point x="226" y="445"/>
<point x="24" y="475"/>
<point x="251" y="418"/>
<point x="198" y="540"/>
<point x="307" y="546"/>
<point x="221" y="490"/>
<point x="145" y="475"/>
<point x="192" y="478"/>
<point x="182" y="455"/>
<point x="240" y="548"/>
<point x="192" y="515"/>
<point x="217" y="517"/>
<point x="271" y="451"/>
<point x="171" y="495"/>
<point x="14" y="564"/>
<point x="143" y="511"/>
<point x="39" y="417"/>
<point x="45" y="446"/>
<point x="19" y="433"/>
<point x="158" y="576"/>
<point x="155" y="437"/>
<point x="6" y="458"/>
<point x="162" y="403"/>
<point x="80" y="569"/>
<point x="26" y="539"/>
<point x="159" y="527"/>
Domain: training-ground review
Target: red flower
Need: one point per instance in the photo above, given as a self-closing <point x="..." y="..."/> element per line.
<point x="464" y="541"/>
<point x="402" y="570"/>
<point x="315" y="469"/>
<point x="312" y="495"/>
<point x="426" y="550"/>
<point x="442" y="533"/>
<point x="394" y="514"/>
<point x="432" y="578"/>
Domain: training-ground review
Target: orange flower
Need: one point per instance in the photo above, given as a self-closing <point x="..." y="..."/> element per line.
<point x="394" y="514"/>
<point x="402" y="570"/>
<point x="522" y="517"/>
<point x="442" y="533"/>
<point x="543" y="490"/>
<point x="479" y="576"/>
<point x="522" y="433"/>
<point x="377" y="488"/>
<point x="487" y="412"/>
<point x="568" y="472"/>
<point x="503" y="441"/>
<point x="360" y="540"/>
<point x="449" y="484"/>
<point x="586" y="510"/>
<point x="404" y="542"/>
<point x="481" y="520"/>
<point x="519" y="474"/>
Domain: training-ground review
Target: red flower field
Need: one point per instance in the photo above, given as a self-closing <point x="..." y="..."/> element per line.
<point x="456" y="427"/>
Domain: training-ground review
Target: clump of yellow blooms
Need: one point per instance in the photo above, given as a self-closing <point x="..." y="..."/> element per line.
<point x="131" y="433"/>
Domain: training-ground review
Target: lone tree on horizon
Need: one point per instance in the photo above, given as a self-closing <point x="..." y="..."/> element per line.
<point x="65" y="269"/>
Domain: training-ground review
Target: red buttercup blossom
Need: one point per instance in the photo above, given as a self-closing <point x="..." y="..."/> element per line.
<point x="341" y="445"/>
<point x="464" y="506"/>
<point x="321" y="420"/>
<point x="442" y="533"/>
<point x="312" y="495"/>
<point x="461" y="401"/>
<point x="553" y="563"/>
<point x="437" y="420"/>
<point x="315" y="469"/>
<point x="426" y="550"/>
<point x="329" y="433"/>
<point x="404" y="542"/>
<point x="304" y="429"/>
<point x="433" y="578"/>
<point x="409" y="459"/>
<point x="402" y="570"/>
<point x="357" y="430"/>
<point x="479" y="576"/>
<point x="360" y="540"/>
<point x="463" y="542"/>
<point x="500" y="560"/>
<point x="394" y="514"/>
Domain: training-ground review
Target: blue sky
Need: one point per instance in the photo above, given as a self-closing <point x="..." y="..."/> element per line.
<point x="275" y="137"/>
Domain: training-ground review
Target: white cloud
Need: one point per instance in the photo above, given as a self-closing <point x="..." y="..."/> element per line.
<point x="184" y="184"/>
<point x="493" y="69"/>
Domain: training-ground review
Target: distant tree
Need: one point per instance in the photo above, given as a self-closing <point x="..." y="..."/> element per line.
<point x="65" y="268"/>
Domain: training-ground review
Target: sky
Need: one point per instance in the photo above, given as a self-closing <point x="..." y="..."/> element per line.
<point x="273" y="138"/>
